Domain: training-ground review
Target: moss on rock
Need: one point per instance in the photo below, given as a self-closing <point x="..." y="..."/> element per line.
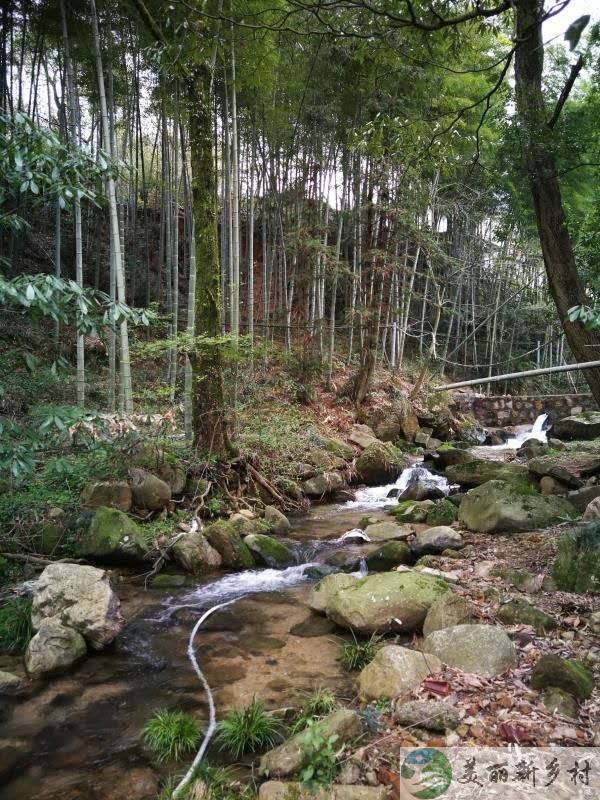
<point x="566" y="673"/>
<point x="577" y="563"/>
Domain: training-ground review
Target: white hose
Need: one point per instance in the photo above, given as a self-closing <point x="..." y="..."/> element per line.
<point x="212" y="717"/>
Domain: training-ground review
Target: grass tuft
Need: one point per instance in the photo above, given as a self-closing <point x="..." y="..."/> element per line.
<point x="15" y="625"/>
<point x="171" y="735"/>
<point x="318" y="704"/>
<point x="250" y="730"/>
<point x="356" y="655"/>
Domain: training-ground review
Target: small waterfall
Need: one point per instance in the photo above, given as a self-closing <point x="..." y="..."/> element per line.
<point x="377" y="496"/>
<point x="537" y="432"/>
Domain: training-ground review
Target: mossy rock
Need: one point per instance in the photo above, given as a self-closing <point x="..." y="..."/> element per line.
<point x="388" y="556"/>
<point x="226" y="540"/>
<point x="269" y="551"/>
<point x="577" y="563"/>
<point x="338" y="448"/>
<point x="558" y="701"/>
<point x="520" y="612"/>
<point x="168" y="580"/>
<point x="566" y="673"/>
<point x="379" y="463"/>
<point x="518" y="578"/>
<point x="444" y="513"/>
<point x="478" y="471"/>
<point x="113" y="537"/>
<point x="412" y="510"/>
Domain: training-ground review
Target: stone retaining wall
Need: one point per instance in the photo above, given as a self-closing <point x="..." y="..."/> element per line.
<point x="504" y="410"/>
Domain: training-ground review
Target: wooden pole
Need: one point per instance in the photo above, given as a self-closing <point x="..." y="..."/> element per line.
<point x="525" y="374"/>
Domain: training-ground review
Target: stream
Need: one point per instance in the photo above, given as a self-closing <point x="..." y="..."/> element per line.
<point x="77" y="737"/>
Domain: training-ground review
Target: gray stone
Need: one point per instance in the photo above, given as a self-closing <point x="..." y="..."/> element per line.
<point x="78" y="597"/>
<point x="320" y="486"/>
<point x="278" y="790"/>
<point x="578" y="426"/>
<point x="10" y="684"/>
<point x="362" y="435"/>
<point x="194" y="553"/>
<point x="379" y="463"/>
<point x="434" y="540"/>
<point x="478" y="471"/>
<point x="224" y="536"/>
<point x="384" y="531"/>
<point x="53" y="649"/>
<point x="269" y="551"/>
<point x="277" y="522"/>
<point x="323" y="592"/>
<point x="112" y="494"/>
<point x="395" y="671"/>
<point x="421" y="486"/>
<point x="549" y="485"/>
<point x="570" y="469"/>
<point x="592" y="510"/>
<point x="149" y="491"/>
<point x="581" y="498"/>
<point x="113" y="537"/>
<point x="449" y="610"/>
<point x="481" y="649"/>
<point x="287" y="758"/>
<point x="520" y="612"/>
<point x="388" y="556"/>
<point x="433" y="715"/>
<point x="565" y="673"/>
<point x="558" y="701"/>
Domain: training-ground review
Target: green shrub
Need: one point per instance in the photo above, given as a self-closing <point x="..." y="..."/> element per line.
<point x="356" y="655"/>
<point x="250" y="730"/>
<point x="15" y="625"/>
<point x="319" y="765"/>
<point x="171" y="734"/>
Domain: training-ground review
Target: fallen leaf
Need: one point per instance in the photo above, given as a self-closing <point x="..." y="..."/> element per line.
<point x="439" y="688"/>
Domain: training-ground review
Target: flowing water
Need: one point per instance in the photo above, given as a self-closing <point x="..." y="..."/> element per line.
<point x="77" y="737"/>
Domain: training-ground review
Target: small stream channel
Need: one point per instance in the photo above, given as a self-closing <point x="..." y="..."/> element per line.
<point x="77" y="737"/>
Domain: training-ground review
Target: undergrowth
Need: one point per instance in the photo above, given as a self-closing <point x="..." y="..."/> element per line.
<point x="318" y="704"/>
<point x="171" y="735"/>
<point x="356" y="655"/>
<point x="250" y="730"/>
<point x="15" y="625"/>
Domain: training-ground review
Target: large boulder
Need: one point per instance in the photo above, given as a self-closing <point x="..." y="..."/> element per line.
<point x="269" y="551"/>
<point x="388" y="556"/>
<point x="474" y="473"/>
<point x="53" y="649"/>
<point x="449" y="454"/>
<point x="328" y="483"/>
<point x="78" y="597"/>
<point x="324" y="460"/>
<point x="149" y="491"/>
<point x="113" y="537"/>
<point x="226" y="540"/>
<point x="550" y="485"/>
<point x="362" y="436"/>
<point x="174" y="475"/>
<point x="384" y="531"/>
<point x="568" y="468"/>
<point x="422" y="485"/>
<point x="388" y="429"/>
<point x="449" y="610"/>
<point x="338" y="448"/>
<point x="278" y="523"/>
<point x="323" y="593"/>
<point x="532" y="448"/>
<point x="564" y="673"/>
<point x="412" y="510"/>
<point x="519" y="612"/>
<point x="435" y="540"/>
<point x="499" y="506"/>
<point x="379" y="463"/>
<point x="579" y="426"/>
<point x="395" y="671"/>
<point x="577" y="564"/>
<point x="481" y="649"/>
<point x="112" y="494"/>
<point x="581" y="498"/>
<point x="389" y="601"/>
<point x="287" y="758"/>
<point x="194" y="553"/>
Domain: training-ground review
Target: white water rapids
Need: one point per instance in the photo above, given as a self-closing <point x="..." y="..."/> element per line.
<point x="377" y="496"/>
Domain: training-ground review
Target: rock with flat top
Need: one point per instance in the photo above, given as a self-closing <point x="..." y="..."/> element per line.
<point x="385" y="531"/>
<point x="432" y="715"/>
<point x="481" y="649"/>
<point x="362" y="436"/>
<point x="396" y="671"/>
<point x="449" y="610"/>
<point x="435" y="540"/>
<point x="323" y="592"/>
<point x="112" y="494"/>
<point x="578" y="426"/>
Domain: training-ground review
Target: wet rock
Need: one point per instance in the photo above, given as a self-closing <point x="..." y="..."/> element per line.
<point x="362" y="435"/>
<point x="388" y="556"/>
<point x="245" y="523"/>
<point x="581" y="498"/>
<point x="558" y="701"/>
<point x="113" y="537"/>
<point x="570" y="469"/>
<point x="450" y="454"/>
<point x="195" y="554"/>
<point x="500" y="506"/>
<point x="520" y="612"/>
<point x="576" y="567"/>
<point x="395" y="671"/>
<point x="549" y="485"/>
<point x="149" y="491"/>
<point x="474" y="435"/>
<point x="278" y="790"/>
<point x="379" y="463"/>
<point x="481" y="649"/>
<point x="422" y="485"/>
<point x="168" y="580"/>
<point x="434" y="540"/>
<point x="532" y="448"/>
<point x="443" y="513"/>
<point x="592" y="510"/>
<point x="112" y="494"/>
<point x="474" y="473"/>
<point x="320" y="486"/>
<point x="53" y="649"/>
<point x="565" y="673"/>
<point x="448" y="611"/>
<point x="386" y="601"/>
<point x="10" y="684"/>
<point x="226" y="540"/>
<point x="78" y="597"/>
<point x="278" y="523"/>
<point x="313" y="626"/>
<point x="287" y="758"/>
<point x="319" y="571"/>
<point x="269" y="551"/>
<point x="323" y="593"/>
<point x="383" y="531"/>
<point x="578" y="426"/>
<point x="433" y="715"/>
<point x="412" y="510"/>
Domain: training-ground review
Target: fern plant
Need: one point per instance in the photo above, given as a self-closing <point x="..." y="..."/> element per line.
<point x="250" y="730"/>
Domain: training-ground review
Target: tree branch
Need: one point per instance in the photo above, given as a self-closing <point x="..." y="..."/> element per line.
<point x="564" y="95"/>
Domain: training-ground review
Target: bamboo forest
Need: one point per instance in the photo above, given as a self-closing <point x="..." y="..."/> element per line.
<point x="299" y="399"/>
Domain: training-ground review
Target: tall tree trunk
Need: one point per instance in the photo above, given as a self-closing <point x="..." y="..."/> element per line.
<point x="540" y="166"/>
